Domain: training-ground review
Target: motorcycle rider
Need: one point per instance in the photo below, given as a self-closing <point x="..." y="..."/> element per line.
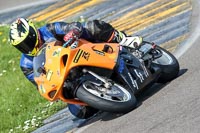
<point x="26" y="38"/>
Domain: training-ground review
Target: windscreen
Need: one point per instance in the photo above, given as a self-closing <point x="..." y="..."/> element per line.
<point x="39" y="62"/>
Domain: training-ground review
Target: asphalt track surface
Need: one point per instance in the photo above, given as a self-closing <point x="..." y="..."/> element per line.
<point x="10" y="5"/>
<point x="169" y="108"/>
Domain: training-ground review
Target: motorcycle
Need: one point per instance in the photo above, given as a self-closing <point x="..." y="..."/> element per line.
<point x="105" y="76"/>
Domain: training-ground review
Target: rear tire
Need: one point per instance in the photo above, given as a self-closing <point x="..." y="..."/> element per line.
<point x="169" y="66"/>
<point x="89" y="95"/>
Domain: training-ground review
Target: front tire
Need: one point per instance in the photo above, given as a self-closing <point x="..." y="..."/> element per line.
<point x="117" y="99"/>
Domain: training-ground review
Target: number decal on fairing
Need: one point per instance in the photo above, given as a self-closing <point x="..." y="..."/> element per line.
<point x="49" y="75"/>
<point x="42" y="89"/>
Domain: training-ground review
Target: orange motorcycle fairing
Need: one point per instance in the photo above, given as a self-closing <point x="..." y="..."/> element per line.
<point x="60" y="60"/>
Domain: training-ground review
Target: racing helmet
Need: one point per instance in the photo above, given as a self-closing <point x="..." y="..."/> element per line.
<point x="24" y="36"/>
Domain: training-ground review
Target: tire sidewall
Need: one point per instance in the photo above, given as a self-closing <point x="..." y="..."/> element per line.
<point x="170" y="71"/>
<point x="106" y="105"/>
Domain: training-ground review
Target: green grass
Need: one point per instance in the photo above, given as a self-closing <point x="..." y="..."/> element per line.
<point x="22" y="109"/>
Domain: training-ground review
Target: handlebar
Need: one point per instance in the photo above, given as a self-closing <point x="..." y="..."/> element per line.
<point x="68" y="42"/>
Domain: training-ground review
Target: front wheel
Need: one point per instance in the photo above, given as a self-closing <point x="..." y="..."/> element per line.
<point x="169" y="66"/>
<point x="115" y="99"/>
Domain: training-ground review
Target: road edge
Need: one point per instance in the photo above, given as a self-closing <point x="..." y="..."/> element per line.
<point x="194" y="30"/>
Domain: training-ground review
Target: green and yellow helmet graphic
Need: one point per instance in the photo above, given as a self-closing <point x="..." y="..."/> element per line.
<point x="24" y="36"/>
<point x="18" y="31"/>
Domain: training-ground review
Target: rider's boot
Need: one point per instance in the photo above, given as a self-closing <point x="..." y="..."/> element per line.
<point x="128" y="41"/>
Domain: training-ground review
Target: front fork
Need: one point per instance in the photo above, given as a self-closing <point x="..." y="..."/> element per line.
<point x="107" y="83"/>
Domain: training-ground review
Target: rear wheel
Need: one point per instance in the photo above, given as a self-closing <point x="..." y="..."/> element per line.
<point x="115" y="99"/>
<point x="169" y="66"/>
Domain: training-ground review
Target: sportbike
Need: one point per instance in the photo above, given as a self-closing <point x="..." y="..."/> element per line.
<point x="105" y="76"/>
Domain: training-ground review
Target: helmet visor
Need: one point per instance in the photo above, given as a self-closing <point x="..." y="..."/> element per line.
<point x="28" y="44"/>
